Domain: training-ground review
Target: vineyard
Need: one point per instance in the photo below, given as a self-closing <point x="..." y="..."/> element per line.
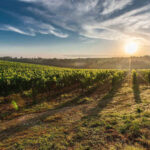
<point x="17" y="77"/>
<point x="56" y="108"/>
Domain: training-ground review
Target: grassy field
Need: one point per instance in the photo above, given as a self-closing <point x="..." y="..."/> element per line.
<point x="101" y="116"/>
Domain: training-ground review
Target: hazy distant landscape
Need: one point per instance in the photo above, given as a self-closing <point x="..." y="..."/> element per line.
<point x="142" y="62"/>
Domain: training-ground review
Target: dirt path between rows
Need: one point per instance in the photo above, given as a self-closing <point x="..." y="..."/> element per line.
<point x="102" y="102"/>
<point x="11" y="127"/>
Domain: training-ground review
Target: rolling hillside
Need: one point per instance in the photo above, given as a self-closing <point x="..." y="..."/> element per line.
<point x="111" y="111"/>
<point x="89" y="63"/>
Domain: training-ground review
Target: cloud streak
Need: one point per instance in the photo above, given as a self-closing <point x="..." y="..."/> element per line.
<point x="98" y="19"/>
<point x="14" y="29"/>
<point x="113" y="5"/>
<point x="33" y="27"/>
<point x="42" y="28"/>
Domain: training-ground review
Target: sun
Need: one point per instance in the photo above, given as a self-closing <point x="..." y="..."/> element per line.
<point x="131" y="47"/>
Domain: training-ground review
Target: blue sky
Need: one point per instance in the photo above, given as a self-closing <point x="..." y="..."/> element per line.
<point x="62" y="28"/>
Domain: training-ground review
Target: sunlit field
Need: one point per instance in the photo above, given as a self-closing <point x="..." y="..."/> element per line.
<point x="46" y="107"/>
<point x="74" y="74"/>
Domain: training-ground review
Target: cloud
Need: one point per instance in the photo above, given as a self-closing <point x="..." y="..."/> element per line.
<point x="42" y="28"/>
<point x="99" y="19"/>
<point x="113" y="5"/>
<point x="14" y="29"/>
<point x="31" y="27"/>
<point x="134" y="23"/>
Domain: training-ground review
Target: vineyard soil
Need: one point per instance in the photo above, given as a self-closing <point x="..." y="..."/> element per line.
<point x="99" y="118"/>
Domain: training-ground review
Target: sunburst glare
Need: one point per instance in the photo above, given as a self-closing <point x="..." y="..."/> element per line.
<point x="131" y="47"/>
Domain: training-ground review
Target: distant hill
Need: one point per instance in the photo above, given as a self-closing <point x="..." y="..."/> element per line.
<point x="89" y="63"/>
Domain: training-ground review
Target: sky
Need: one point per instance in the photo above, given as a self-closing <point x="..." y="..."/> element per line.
<point x="73" y="28"/>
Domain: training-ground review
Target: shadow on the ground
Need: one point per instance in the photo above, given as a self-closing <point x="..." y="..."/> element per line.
<point x="54" y="94"/>
<point x="136" y="89"/>
<point x="75" y="101"/>
<point x="105" y="100"/>
<point x="29" y="102"/>
<point x="24" y="125"/>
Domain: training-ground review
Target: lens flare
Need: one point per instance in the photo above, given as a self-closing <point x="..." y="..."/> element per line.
<point x="131" y="47"/>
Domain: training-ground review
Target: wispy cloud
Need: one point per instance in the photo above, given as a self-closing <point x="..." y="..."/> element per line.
<point x="31" y="27"/>
<point x="42" y="28"/>
<point x="131" y="24"/>
<point x="113" y="5"/>
<point x="109" y="19"/>
<point x="14" y="29"/>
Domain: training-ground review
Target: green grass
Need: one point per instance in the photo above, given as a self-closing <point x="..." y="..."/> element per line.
<point x="98" y="118"/>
